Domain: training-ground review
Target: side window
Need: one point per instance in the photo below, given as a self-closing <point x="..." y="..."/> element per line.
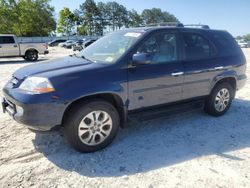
<point x="196" y="46"/>
<point x="7" y="40"/>
<point x="162" y="47"/>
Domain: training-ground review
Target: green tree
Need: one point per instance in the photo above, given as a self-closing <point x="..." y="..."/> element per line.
<point x="66" y="21"/>
<point x="118" y="15"/>
<point x="27" y="17"/>
<point x="89" y="13"/>
<point x="238" y="37"/>
<point x="247" y="37"/>
<point x="155" y="15"/>
<point x="96" y="18"/>
<point x="82" y="30"/>
<point x="102" y="17"/>
<point x="135" y="19"/>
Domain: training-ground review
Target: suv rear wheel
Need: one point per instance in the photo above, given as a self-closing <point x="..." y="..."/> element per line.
<point x="220" y="99"/>
<point x="91" y="126"/>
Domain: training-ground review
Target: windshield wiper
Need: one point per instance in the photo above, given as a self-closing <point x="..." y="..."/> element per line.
<point x="82" y="56"/>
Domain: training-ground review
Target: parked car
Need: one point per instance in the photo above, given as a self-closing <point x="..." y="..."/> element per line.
<point x="64" y="44"/>
<point x="56" y="42"/>
<point x="78" y="45"/>
<point x="87" y="43"/>
<point x="243" y="44"/>
<point x="91" y="94"/>
<point x="69" y="44"/>
<point x="10" y="47"/>
<point x="82" y="44"/>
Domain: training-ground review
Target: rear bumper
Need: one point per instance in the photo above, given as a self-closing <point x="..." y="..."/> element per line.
<point x="40" y="116"/>
<point x="77" y="47"/>
<point x="241" y="81"/>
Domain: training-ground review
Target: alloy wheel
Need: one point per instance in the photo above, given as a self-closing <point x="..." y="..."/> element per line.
<point x="95" y="127"/>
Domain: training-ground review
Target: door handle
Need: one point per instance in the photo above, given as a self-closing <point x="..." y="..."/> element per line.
<point x="218" y="68"/>
<point x="0" y="46"/>
<point x="177" y="73"/>
<point x="15" y="45"/>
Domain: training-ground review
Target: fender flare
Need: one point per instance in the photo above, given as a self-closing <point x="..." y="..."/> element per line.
<point x="225" y="75"/>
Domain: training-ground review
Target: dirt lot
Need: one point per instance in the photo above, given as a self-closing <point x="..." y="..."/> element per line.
<point x="186" y="150"/>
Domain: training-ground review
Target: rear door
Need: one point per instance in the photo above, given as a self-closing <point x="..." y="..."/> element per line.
<point x="9" y="47"/>
<point x="160" y="81"/>
<point x="200" y="64"/>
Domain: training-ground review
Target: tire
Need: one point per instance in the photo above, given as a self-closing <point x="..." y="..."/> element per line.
<point x="220" y="99"/>
<point x="83" y="130"/>
<point x="24" y="57"/>
<point x="31" y="55"/>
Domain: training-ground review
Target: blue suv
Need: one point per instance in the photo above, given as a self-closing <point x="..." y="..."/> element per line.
<point x="91" y="94"/>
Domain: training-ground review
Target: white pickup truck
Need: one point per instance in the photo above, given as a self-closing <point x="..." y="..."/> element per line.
<point x="243" y="44"/>
<point x="10" y="47"/>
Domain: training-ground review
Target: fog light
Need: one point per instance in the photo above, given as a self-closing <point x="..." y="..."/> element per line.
<point x="19" y="111"/>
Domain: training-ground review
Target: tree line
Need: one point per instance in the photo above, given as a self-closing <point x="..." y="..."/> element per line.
<point x="95" y="18"/>
<point x="37" y="18"/>
<point x="244" y="37"/>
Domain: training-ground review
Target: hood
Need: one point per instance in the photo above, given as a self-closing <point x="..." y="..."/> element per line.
<point x="51" y="65"/>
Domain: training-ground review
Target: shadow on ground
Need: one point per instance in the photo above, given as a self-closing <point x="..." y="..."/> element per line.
<point x="18" y="61"/>
<point x="158" y="143"/>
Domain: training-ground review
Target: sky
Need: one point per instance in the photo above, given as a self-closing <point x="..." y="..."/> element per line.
<point x="230" y="15"/>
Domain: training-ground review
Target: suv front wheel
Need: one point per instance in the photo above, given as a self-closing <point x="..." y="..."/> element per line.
<point x="91" y="126"/>
<point x="220" y="99"/>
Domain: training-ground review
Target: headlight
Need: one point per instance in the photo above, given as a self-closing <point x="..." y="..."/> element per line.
<point x="36" y="85"/>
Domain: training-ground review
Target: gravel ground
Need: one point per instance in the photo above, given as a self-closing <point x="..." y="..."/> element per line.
<point x="186" y="150"/>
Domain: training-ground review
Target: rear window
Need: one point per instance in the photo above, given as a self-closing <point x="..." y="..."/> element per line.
<point x="7" y="40"/>
<point x="225" y="43"/>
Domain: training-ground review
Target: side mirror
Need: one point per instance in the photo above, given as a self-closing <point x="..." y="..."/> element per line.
<point x="142" y="59"/>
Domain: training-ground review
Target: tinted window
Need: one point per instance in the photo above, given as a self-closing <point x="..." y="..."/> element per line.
<point x="196" y="46"/>
<point x="225" y="43"/>
<point x="7" y="40"/>
<point x="161" y="46"/>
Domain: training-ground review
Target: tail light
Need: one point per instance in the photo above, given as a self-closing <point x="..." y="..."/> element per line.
<point x="46" y="45"/>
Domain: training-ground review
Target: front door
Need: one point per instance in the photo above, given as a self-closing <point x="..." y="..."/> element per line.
<point x="159" y="81"/>
<point x="8" y="46"/>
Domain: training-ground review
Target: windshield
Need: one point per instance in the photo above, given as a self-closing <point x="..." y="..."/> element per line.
<point x="110" y="47"/>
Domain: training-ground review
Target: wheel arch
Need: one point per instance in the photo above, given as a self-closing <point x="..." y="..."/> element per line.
<point x="30" y="49"/>
<point x="228" y="79"/>
<point x="112" y="98"/>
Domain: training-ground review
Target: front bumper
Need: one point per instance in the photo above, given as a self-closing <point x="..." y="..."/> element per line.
<point x="37" y="116"/>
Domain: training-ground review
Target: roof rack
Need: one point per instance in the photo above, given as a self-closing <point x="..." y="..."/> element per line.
<point x="197" y="25"/>
<point x="173" y="24"/>
<point x="176" y="24"/>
